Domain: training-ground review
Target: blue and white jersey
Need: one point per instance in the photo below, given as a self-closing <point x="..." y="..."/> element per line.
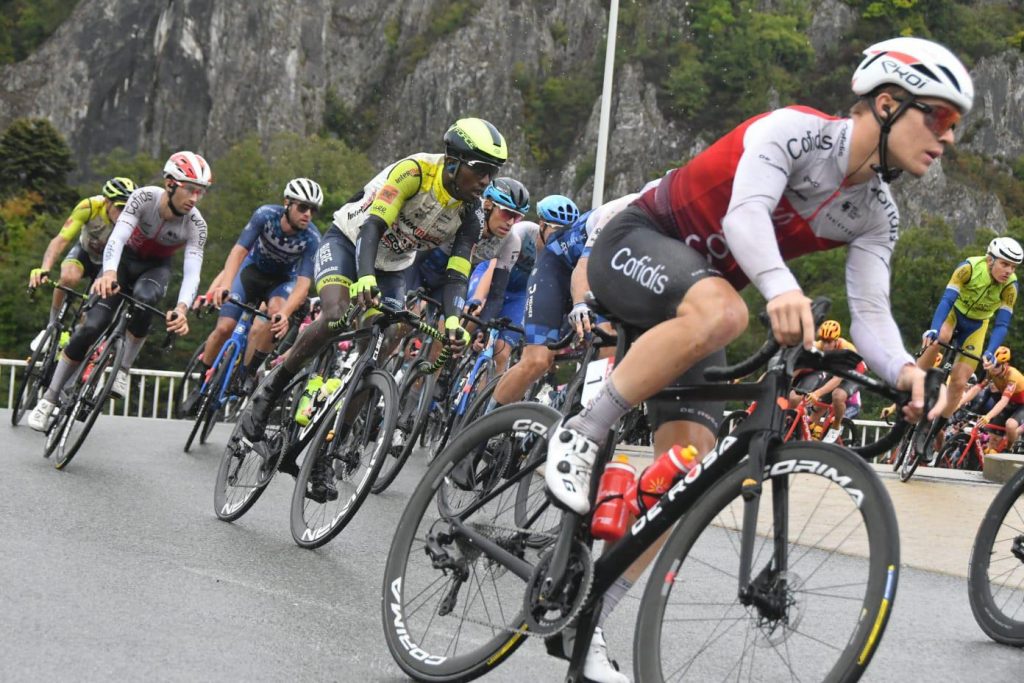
<point x="272" y="251"/>
<point x="569" y="242"/>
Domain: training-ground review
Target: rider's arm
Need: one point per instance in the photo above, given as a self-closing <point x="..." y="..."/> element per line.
<point x="961" y="276"/>
<point x="231" y="265"/>
<point x="126" y="223"/>
<point x="1003" y="401"/>
<point x="72" y="228"/>
<point x="401" y="184"/>
<point x="193" y="265"/>
<point x="971" y="393"/>
<point x="54" y="249"/>
<point x="459" y="267"/>
<point x="828" y="387"/>
<point x="298" y="295"/>
<point x="579" y="285"/>
<point x="1001" y="319"/>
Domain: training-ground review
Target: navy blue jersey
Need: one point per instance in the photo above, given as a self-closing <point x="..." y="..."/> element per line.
<point x="569" y="242"/>
<point x="275" y="252"/>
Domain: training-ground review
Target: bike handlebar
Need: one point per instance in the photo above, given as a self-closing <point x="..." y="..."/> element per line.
<point x="495" y="323"/>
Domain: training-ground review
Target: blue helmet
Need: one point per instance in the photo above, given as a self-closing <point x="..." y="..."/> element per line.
<point x="509" y="193"/>
<point x="557" y="209"/>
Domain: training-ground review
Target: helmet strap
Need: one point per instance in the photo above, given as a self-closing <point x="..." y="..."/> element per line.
<point x="170" y="199"/>
<point x="885" y="124"/>
<point x="288" y="215"/>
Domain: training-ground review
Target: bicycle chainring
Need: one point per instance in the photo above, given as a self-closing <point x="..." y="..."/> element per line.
<point x="561" y="609"/>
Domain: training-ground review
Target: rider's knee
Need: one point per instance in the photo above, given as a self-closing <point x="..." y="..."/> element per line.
<point x="70" y="277"/>
<point x="722" y="312"/>
<point x="535" y="362"/>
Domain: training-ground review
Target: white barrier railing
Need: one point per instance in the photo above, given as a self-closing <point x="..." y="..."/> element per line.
<point x="150" y="392"/>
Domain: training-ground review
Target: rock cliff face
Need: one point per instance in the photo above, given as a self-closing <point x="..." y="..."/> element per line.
<point x="201" y="75"/>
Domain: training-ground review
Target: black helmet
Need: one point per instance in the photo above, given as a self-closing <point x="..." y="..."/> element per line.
<point x="509" y="193"/>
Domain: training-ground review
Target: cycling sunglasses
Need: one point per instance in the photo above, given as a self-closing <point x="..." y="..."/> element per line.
<point x="938" y="118"/>
<point x="482" y="168"/>
<point x="508" y="214"/>
<point x="303" y="207"/>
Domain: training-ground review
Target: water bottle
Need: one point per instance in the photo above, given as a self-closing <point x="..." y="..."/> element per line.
<point x="612" y="513"/>
<point x="659" y="477"/>
<point x="305" y="408"/>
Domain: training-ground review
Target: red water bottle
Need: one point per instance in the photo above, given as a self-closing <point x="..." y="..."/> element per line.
<point x="659" y="477"/>
<point x="612" y="513"/>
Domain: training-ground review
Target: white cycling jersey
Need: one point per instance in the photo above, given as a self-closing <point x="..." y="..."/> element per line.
<point x="148" y="237"/>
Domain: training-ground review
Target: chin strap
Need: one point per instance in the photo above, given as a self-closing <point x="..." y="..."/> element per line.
<point x="882" y="168"/>
<point x="170" y="200"/>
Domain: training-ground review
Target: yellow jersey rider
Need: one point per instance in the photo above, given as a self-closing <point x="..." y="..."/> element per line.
<point x="88" y="227"/>
<point x="982" y="288"/>
<point x="819" y="386"/>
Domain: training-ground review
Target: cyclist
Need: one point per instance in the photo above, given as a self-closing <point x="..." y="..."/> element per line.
<point x="155" y="223"/>
<point x="272" y="261"/>
<point x="90" y="223"/>
<point x="414" y="204"/>
<point x="499" y="285"/>
<point x="782" y="184"/>
<point x="505" y="202"/>
<point x="1006" y="382"/>
<point x="820" y="387"/>
<point x="982" y="288"/>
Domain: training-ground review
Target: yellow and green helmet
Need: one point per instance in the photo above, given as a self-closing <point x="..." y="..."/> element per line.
<point x="475" y="139"/>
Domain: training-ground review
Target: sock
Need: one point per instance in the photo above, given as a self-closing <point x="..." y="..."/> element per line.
<point x="491" y="405"/>
<point x="65" y="368"/>
<point x="279" y="380"/>
<point x="53" y="314"/>
<point x="612" y="596"/>
<point x="132" y="346"/>
<point x="596" y="419"/>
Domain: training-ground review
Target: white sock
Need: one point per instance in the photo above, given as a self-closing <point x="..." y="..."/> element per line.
<point x="612" y="596"/>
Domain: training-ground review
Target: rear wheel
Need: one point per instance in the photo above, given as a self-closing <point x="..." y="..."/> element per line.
<point x="37" y="375"/>
<point x="825" y="568"/>
<point x="191" y="375"/>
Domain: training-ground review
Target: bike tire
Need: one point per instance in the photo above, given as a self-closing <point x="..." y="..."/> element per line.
<point x="999" y="608"/>
<point x="378" y="423"/>
<point x="393" y="462"/>
<point x="36" y="378"/>
<point x="190" y="370"/>
<point x="716" y="623"/>
<point x="90" y="396"/>
<point x="438" y="657"/>
<point x="909" y="462"/>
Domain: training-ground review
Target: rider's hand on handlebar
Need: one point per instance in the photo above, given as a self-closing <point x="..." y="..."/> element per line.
<point x="912" y="379"/>
<point x="478" y="342"/>
<point x="792" y="320"/>
<point x="929" y="338"/>
<point x="458" y="338"/>
<point x="363" y="292"/>
<point x="217" y="297"/>
<point x="582" y="318"/>
<point x="811" y="397"/>
<point x="177" y="320"/>
<point x="37" y="277"/>
<point x="106" y="284"/>
<point x="279" y="325"/>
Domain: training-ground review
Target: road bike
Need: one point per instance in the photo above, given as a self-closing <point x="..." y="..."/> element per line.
<point x="790" y="550"/>
<point x="40" y="365"/>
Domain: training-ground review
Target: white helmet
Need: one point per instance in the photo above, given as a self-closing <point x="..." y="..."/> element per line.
<point x="921" y="67"/>
<point x="304" y="190"/>
<point x="188" y="167"/>
<point x="1007" y="249"/>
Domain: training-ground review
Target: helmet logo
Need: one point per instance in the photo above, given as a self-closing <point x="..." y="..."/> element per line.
<point x="905" y="74"/>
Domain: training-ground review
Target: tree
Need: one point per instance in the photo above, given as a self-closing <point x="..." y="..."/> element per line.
<point x="34" y="157"/>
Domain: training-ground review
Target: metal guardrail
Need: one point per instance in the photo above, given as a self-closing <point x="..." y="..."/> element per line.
<point x="150" y="392"/>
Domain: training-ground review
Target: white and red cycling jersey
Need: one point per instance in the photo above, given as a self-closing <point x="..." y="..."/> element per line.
<point x="148" y="237"/>
<point x="773" y="189"/>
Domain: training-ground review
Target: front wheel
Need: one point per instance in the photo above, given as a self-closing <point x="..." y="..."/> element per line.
<point x="995" y="577"/>
<point x="37" y="375"/>
<point x="86" y="403"/>
<point x="823" y="580"/>
<point x="343" y="460"/>
<point x="414" y="396"/>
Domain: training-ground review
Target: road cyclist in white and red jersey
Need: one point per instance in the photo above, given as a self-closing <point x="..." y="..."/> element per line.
<point x="155" y="223"/>
<point x="782" y="184"/>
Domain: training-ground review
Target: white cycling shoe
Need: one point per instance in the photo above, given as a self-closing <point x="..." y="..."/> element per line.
<point x="120" y="387"/>
<point x="41" y="416"/>
<point x="597" y="668"/>
<point x="567" y="474"/>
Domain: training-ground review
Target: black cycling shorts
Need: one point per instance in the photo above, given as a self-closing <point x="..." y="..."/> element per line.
<point x="641" y="275"/>
<point x="78" y="254"/>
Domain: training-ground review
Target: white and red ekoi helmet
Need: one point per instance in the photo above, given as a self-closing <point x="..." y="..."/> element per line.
<point x="921" y="67"/>
<point x="188" y="167"/>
